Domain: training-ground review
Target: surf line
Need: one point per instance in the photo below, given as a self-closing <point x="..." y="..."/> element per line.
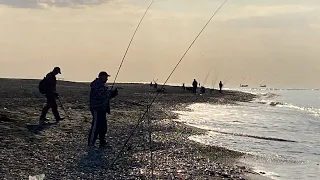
<point x="252" y="136"/>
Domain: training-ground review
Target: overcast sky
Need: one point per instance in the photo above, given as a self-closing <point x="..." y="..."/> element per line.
<point x="273" y="42"/>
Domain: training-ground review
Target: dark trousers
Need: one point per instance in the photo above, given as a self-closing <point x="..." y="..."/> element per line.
<point x="194" y="90"/>
<point x="98" y="127"/>
<point x="51" y="103"/>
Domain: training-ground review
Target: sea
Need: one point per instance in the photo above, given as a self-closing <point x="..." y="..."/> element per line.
<point x="279" y="131"/>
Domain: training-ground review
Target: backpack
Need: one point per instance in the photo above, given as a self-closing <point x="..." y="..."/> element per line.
<point x="43" y="86"/>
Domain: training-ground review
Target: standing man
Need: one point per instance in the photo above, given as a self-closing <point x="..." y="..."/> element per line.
<point x="195" y="86"/>
<point x="100" y="96"/>
<point x="48" y="87"/>
<point x="220" y="86"/>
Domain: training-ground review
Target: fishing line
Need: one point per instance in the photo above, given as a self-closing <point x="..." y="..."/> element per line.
<point x="215" y="80"/>
<point x="205" y="80"/>
<point x="140" y="120"/>
<point x="227" y="80"/>
<point x="125" y="54"/>
<point x="214" y="76"/>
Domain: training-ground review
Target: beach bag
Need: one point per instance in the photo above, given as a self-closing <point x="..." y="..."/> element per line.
<point x="43" y="86"/>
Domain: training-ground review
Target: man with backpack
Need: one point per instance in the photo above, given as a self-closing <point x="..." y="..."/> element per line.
<point x="47" y="86"/>
<point x="100" y="97"/>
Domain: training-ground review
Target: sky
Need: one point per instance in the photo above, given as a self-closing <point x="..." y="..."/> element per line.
<point x="272" y="42"/>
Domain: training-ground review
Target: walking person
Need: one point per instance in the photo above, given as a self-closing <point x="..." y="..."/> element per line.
<point x="47" y="87"/>
<point x="100" y="97"/>
<point x="195" y="86"/>
<point x="220" y="86"/>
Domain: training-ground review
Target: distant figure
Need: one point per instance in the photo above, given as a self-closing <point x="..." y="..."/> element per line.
<point x="195" y="86"/>
<point x="220" y="86"/>
<point x="47" y="86"/>
<point x="151" y="84"/>
<point x="183" y="87"/>
<point x="203" y="90"/>
<point x="100" y="97"/>
<point x="155" y="85"/>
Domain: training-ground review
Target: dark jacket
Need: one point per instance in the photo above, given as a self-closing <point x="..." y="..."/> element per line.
<point x="195" y="84"/>
<point x="51" y="83"/>
<point x="100" y="96"/>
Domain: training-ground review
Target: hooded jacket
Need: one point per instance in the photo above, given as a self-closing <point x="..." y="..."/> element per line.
<point x="100" y="96"/>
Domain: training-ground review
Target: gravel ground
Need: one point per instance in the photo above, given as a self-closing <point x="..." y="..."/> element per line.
<point x="59" y="150"/>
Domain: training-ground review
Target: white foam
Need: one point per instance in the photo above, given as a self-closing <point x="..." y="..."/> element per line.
<point x="310" y="110"/>
<point x="281" y="121"/>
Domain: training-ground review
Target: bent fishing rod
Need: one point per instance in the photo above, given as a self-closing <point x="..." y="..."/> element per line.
<point x="125" y="54"/>
<point x="205" y="80"/>
<point x="214" y="81"/>
<point x="141" y="119"/>
<point x="227" y="80"/>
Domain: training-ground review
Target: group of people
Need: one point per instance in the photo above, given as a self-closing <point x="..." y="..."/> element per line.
<point x="100" y="97"/>
<point x="195" y="87"/>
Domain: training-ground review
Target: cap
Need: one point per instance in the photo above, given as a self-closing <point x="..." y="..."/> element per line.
<point x="103" y="73"/>
<point x="57" y="69"/>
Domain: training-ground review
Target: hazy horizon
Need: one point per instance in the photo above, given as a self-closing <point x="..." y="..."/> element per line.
<point x="272" y="42"/>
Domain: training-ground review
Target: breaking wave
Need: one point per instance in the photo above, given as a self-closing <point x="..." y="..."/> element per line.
<point x="271" y="99"/>
<point x="308" y="110"/>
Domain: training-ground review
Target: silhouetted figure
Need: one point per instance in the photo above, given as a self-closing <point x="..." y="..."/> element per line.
<point x="195" y="86"/>
<point x="183" y="87"/>
<point x="220" y="86"/>
<point x="155" y="85"/>
<point x="151" y="84"/>
<point x="47" y="86"/>
<point x="203" y="90"/>
<point x="100" y="97"/>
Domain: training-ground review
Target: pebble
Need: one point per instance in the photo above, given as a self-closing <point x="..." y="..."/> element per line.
<point x="226" y="175"/>
<point x="63" y="156"/>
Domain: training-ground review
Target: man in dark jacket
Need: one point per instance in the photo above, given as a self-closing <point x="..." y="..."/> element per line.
<point x="220" y="86"/>
<point x="51" y="95"/>
<point x="100" y="96"/>
<point x="195" y="86"/>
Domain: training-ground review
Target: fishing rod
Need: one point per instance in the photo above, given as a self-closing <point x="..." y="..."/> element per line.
<point x="214" y="75"/>
<point x="63" y="109"/>
<point x="125" y="54"/>
<point x="227" y="80"/>
<point x="206" y="77"/>
<point x="140" y="120"/>
<point x="215" y="80"/>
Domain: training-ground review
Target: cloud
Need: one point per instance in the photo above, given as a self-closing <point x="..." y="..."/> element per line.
<point x="247" y="11"/>
<point x="280" y="21"/>
<point x="49" y="3"/>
